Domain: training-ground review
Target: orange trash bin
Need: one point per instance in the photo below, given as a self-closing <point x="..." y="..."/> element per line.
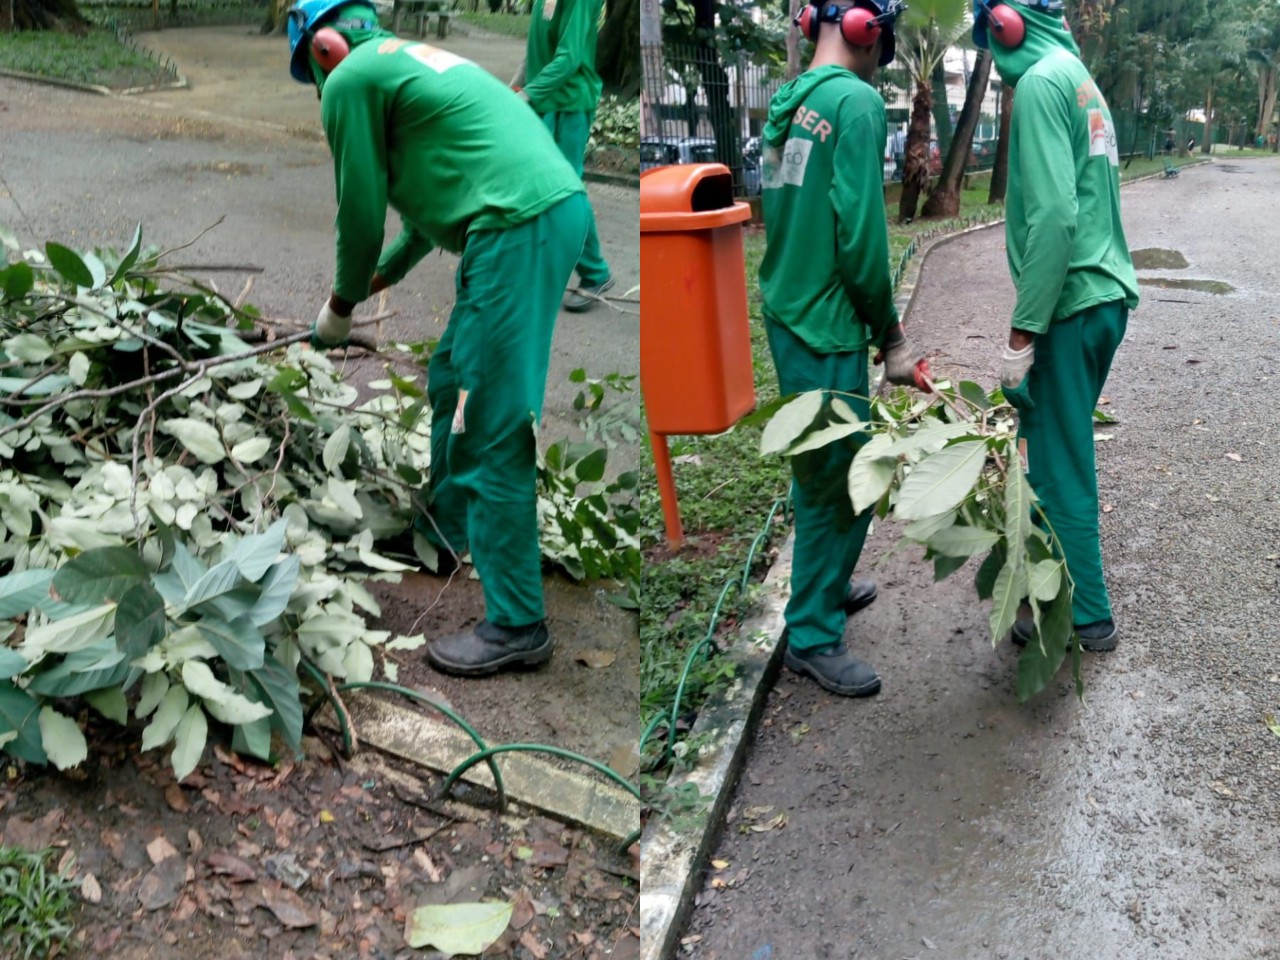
<point x="696" y="374"/>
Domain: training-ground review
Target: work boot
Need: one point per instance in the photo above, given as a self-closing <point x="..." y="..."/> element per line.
<point x="489" y="648"/>
<point x="584" y="298"/>
<point x="835" y="669"/>
<point x="1099" y="637"/>
<point x="859" y="594"/>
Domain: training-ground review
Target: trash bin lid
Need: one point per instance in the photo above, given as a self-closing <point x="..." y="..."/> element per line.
<point x="689" y="196"/>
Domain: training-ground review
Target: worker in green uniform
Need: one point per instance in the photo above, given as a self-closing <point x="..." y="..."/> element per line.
<point x="1075" y="281"/>
<point x="559" y="79"/>
<point x="470" y="169"/>
<point x="826" y="302"/>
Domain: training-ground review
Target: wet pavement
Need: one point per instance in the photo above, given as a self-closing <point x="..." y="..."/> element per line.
<point x="942" y="818"/>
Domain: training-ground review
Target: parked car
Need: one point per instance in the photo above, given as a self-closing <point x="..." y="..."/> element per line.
<point x="663" y="151"/>
<point x="751" y="175"/>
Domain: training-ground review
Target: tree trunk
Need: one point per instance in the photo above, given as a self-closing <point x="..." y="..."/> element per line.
<point x="944" y="201"/>
<point x="618" y="48"/>
<point x="1207" y="144"/>
<point x="715" y="83"/>
<point x="941" y="109"/>
<point x="915" y="171"/>
<point x="793" y="42"/>
<point x="1000" y="172"/>
<point x="1267" y="100"/>
<point x="61" y="15"/>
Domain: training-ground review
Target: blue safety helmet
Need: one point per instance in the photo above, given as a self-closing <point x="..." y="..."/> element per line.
<point x="306" y="18"/>
<point x="981" y="8"/>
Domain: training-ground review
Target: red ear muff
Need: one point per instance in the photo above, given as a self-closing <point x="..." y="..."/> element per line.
<point x="329" y="47"/>
<point x="858" y="27"/>
<point x="808" y="23"/>
<point x="1005" y="25"/>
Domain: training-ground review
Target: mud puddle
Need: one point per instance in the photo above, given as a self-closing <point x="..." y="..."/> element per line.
<point x="1217" y="287"/>
<point x="1158" y="258"/>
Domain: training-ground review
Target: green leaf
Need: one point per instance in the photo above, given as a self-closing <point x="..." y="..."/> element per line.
<point x="824" y="436"/>
<point x="198" y="437"/>
<point x="1018" y="499"/>
<point x="277" y="589"/>
<point x="921" y="530"/>
<point x="102" y="575"/>
<point x="957" y="541"/>
<point x="254" y="555"/>
<point x="253" y="739"/>
<point x="28" y="348"/>
<point x="840" y="407"/>
<point x="140" y="619"/>
<point x="453" y="928"/>
<point x="251" y="450"/>
<point x="221" y="579"/>
<point x="17" y="280"/>
<point x="68" y="264"/>
<point x="73" y="633"/>
<point x="790" y="422"/>
<point x="12" y="663"/>
<point x="111" y="703"/>
<point x="1010" y="588"/>
<point x="1045" y="579"/>
<point x="93" y="668"/>
<point x="246" y="390"/>
<point x="404" y="385"/>
<point x="974" y="393"/>
<point x="985" y="581"/>
<point x="941" y="481"/>
<point x="154" y="687"/>
<point x="335" y="449"/>
<point x="22" y="592"/>
<point x="173" y="705"/>
<point x="130" y="258"/>
<point x="1040" y="661"/>
<point x="189" y="740"/>
<point x="20" y="714"/>
<point x="871" y="472"/>
<point x="220" y="700"/>
<point x="239" y="642"/>
<point x="343" y="493"/>
<point x="929" y="438"/>
<point x="277" y="686"/>
<point x="590" y="468"/>
<point x="944" y="567"/>
<point x="62" y="739"/>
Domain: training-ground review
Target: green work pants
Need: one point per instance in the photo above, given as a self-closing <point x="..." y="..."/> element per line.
<point x="1072" y="360"/>
<point x="571" y="132"/>
<point x="483" y="451"/>
<point x="829" y="535"/>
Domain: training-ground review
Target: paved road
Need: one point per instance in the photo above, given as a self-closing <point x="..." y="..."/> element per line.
<point x="244" y="144"/>
<point x="942" y="819"/>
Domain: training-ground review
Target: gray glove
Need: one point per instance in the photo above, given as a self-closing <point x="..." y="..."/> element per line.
<point x="900" y="359"/>
<point x="1013" y="371"/>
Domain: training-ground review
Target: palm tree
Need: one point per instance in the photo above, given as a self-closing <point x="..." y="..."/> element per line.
<point x="944" y="200"/>
<point x="928" y="28"/>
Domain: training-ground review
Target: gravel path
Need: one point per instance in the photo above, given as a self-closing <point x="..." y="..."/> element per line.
<point x="943" y="819"/>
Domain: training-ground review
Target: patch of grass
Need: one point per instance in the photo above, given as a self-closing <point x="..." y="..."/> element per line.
<point x="138" y="15"/>
<point x="96" y="58"/>
<point x="509" y="24"/>
<point x="35" y="904"/>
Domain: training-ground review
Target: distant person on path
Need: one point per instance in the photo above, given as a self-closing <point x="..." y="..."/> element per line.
<point x="470" y="169"/>
<point x="899" y="152"/>
<point x="828" y="299"/>
<point x="559" y="80"/>
<point x="1075" y="281"/>
<point x="1168" y="144"/>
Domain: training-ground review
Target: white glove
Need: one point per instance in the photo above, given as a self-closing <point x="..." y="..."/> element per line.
<point x="1016" y="364"/>
<point x="331" y="329"/>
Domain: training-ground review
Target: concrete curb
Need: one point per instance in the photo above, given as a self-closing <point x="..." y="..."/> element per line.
<point x="179" y="84"/>
<point x="670" y="860"/>
<point x="613" y="179"/>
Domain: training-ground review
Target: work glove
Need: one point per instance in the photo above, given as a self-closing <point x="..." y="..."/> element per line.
<point x="331" y="329"/>
<point x="1014" y="370"/>
<point x="902" y="364"/>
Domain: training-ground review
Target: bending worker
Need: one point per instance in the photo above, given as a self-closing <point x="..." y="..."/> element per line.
<point x="471" y="169"/>
<point x="1074" y="278"/>
<point x="826" y="302"/>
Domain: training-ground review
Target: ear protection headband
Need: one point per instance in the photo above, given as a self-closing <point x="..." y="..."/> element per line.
<point x="328" y="46"/>
<point x="859" y="26"/>
<point x="1005" y="25"/>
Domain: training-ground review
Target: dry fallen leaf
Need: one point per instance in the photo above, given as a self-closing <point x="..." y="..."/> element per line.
<point x="720" y="864"/>
<point x="596" y="658"/>
<point x="176" y="799"/>
<point x="1235" y="456"/>
<point x="1107" y="508"/>
<point x="776" y="823"/>
<point x="327" y="817"/>
<point x="230" y="866"/>
<point x="535" y="947"/>
<point x="160" y="849"/>
<point x="160" y="887"/>
<point x="90" y="889"/>
<point x="288" y="907"/>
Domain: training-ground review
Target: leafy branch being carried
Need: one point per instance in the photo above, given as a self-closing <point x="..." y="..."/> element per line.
<point x="948" y="466"/>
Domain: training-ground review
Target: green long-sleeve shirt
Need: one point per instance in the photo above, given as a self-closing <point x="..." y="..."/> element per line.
<point x="825" y="274"/>
<point x="560" y="57"/>
<point x="440" y="140"/>
<point x="1065" y="240"/>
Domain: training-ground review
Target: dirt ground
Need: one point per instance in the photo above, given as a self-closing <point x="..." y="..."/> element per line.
<point x="942" y="818"/>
